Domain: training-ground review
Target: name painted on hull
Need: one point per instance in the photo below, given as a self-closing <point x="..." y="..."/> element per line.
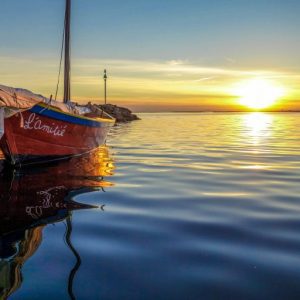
<point x="35" y="123"/>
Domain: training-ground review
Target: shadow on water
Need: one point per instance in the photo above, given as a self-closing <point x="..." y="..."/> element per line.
<point x="31" y="199"/>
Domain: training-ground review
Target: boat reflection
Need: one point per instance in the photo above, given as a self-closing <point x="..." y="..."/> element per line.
<point x="30" y="199"/>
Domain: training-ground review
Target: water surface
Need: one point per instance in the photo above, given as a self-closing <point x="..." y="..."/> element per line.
<point x="178" y="206"/>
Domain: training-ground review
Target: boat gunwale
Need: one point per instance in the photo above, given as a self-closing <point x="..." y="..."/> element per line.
<point x="44" y="106"/>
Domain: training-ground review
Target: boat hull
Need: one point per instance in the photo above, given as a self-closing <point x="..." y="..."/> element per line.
<point x="44" y="133"/>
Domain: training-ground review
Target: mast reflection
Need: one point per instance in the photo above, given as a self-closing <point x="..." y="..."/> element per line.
<point x="30" y="199"/>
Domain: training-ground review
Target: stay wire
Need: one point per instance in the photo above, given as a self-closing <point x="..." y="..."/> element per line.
<point x="60" y="63"/>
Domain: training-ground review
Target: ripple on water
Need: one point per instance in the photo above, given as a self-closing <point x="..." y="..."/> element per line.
<point x="202" y="206"/>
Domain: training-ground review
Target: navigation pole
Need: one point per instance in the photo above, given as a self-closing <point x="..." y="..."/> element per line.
<point x="105" y="88"/>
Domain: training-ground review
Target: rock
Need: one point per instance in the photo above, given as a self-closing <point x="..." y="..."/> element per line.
<point x="121" y="114"/>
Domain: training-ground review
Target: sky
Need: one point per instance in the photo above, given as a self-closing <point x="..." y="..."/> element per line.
<point x="161" y="55"/>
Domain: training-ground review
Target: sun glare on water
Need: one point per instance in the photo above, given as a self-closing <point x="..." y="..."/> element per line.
<point x="258" y="93"/>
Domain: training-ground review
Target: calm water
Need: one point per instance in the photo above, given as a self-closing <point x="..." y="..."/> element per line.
<point x="180" y="206"/>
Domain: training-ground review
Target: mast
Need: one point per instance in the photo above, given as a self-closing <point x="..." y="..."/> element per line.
<point x="67" y="74"/>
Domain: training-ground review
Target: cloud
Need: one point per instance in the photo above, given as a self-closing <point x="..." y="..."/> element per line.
<point x="205" y="79"/>
<point x="176" y="62"/>
<point x="230" y="60"/>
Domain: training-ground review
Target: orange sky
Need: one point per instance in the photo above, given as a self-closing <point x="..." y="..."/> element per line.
<point x="151" y="85"/>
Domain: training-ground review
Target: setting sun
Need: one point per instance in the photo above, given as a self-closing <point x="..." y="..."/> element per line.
<point x="259" y="93"/>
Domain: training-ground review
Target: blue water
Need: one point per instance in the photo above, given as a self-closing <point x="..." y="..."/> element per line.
<point x="184" y="206"/>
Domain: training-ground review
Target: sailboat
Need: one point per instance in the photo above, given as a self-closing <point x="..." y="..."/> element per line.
<point x="35" y="129"/>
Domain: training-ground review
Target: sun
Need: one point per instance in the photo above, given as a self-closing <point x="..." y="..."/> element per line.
<point x="258" y="93"/>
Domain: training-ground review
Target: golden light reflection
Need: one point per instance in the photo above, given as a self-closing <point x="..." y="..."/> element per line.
<point x="258" y="124"/>
<point x="255" y="167"/>
<point x="259" y="93"/>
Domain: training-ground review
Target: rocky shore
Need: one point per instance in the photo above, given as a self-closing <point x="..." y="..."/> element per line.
<point x="121" y="114"/>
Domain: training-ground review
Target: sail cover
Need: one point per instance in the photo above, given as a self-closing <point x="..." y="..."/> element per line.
<point x="18" y="98"/>
<point x="22" y="99"/>
<point x="1" y="122"/>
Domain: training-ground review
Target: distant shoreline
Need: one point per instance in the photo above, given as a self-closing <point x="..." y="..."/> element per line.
<point x="219" y="111"/>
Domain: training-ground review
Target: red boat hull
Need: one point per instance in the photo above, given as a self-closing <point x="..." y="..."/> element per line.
<point x="43" y="134"/>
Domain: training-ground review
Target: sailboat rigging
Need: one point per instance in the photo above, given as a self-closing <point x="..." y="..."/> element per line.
<point x="36" y="129"/>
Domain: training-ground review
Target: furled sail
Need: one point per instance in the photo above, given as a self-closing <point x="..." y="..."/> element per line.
<point x="18" y="98"/>
<point x="22" y="99"/>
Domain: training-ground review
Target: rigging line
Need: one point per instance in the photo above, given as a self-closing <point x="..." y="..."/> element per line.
<point x="60" y="63"/>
